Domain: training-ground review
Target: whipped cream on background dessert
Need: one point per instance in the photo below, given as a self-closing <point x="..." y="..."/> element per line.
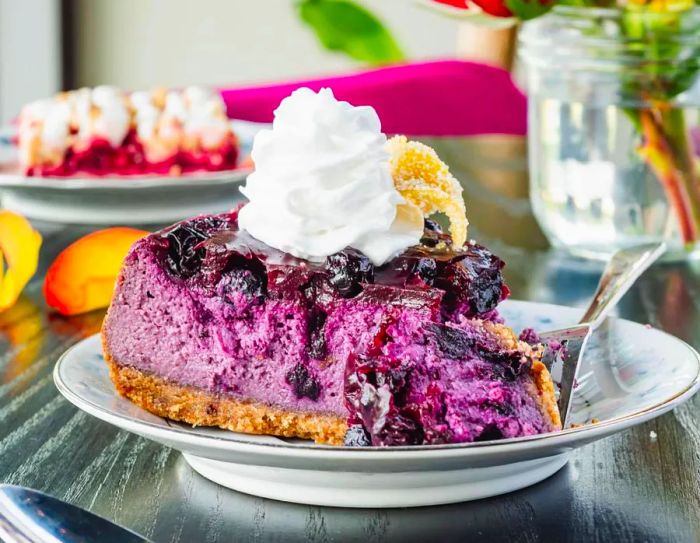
<point x="207" y="119"/>
<point x="322" y="183"/>
<point x="56" y="128"/>
<point x="104" y="112"/>
<point x="146" y="114"/>
<point x="113" y="120"/>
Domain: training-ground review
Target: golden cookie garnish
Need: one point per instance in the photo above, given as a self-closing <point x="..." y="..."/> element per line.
<point x="426" y="182"/>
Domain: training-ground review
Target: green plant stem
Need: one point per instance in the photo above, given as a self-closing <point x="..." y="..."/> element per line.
<point x="666" y="150"/>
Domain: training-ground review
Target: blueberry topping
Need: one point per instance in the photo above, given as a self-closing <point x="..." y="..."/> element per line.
<point x="467" y="281"/>
<point x="432" y="226"/>
<point x="247" y="276"/>
<point x="473" y="279"/>
<point x="184" y="254"/>
<point x="490" y="433"/>
<point x="303" y="382"/>
<point x="401" y="430"/>
<point x="357" y="436"/>
<point x="317" y="291"/>
<point x="184" y="258"/>
<point x="248" y="282"/>
<point x="453" y="342"/>
<point x="426" y="270"/>
<point x="433" y="235"/>
<point x="316" y="346"/>
<point x="485" y="293"/>
<point x="375" y="396"/>
<point x="508" y="365"/>
<point x="347" y="270"/>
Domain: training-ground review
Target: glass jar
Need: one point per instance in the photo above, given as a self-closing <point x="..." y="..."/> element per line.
<point x="613" y="115"/>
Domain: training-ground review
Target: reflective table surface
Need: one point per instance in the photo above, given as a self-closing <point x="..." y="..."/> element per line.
<point x="641" y="485"/>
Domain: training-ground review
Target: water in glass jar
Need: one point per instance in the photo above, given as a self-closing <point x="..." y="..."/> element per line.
<point x="591" y="190"/>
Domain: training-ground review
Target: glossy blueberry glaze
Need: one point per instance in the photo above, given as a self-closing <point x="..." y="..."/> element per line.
<point x="467" y="280"/>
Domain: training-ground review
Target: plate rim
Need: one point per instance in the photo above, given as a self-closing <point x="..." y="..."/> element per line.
<point x="116" y="182"/>
<point x="242" y="128"/>
<point x="401" y="452"/>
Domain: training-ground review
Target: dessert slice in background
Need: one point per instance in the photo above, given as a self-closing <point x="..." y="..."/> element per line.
<point x="327" y="307"/>
<point x="104" y="131"/>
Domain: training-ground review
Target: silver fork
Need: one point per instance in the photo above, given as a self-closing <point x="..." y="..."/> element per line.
<point x="620" y="273"/>
<point x="29" y="516"/>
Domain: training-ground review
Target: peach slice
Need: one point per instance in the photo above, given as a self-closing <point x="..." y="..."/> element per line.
<point x="82" y="276"/>
<point x="19" y="256"/>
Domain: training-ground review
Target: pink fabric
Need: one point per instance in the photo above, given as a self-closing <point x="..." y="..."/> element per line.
<point x="443" y="98"/>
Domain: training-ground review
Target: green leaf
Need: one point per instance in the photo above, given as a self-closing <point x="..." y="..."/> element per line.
<point x="347" y="27"/>
<point x="528" y="9"/>
<point x="668" y="64"/>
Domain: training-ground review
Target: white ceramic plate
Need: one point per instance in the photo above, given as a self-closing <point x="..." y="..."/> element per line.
<point x="148" y="199"/>
<point x="630" y="374"/>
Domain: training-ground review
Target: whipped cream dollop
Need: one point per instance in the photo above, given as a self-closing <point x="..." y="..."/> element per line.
<point x="322" y="183"/>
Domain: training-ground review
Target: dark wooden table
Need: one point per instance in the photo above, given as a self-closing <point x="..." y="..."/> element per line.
<point x="641" y="485"/>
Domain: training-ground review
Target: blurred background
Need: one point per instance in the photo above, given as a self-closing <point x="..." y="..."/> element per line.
<point x="585" y="122"/>
<point x="138" y="44"/>
<point x="142" y="44"/>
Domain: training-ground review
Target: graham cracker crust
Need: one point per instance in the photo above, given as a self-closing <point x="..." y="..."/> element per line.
<point x="547" y="397"/>
<point x="200" y="408"/>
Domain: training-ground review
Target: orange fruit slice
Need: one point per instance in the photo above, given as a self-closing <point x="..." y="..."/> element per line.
<point x="19" y="256"/>
<point x="426" y="182"/>
<point x="83" y="275"/>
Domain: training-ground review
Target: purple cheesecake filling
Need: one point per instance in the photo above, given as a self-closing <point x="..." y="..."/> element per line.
<point x="445" y="383"/>
<point x="205" y="305"/>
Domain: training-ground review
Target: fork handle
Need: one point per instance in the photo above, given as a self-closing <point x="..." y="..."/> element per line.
<point x="623" y="269"/>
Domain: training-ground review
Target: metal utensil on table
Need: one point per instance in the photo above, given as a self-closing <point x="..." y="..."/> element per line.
<point x="564" y="347"/>
<point x="28" y="516"/>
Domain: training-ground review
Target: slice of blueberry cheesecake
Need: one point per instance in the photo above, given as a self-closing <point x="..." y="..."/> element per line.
<point x="212" y="327"/>
<point x="328" y="307"/>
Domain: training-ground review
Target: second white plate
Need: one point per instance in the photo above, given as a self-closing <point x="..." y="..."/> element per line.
<point x="110" y="201"/>
<point x="148" y="199"/>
